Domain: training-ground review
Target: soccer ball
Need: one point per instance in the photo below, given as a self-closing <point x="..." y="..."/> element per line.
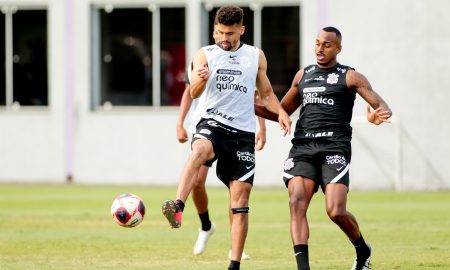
<point x="128" y="210"/>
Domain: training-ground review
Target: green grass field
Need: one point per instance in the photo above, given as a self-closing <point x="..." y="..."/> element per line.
<point x="70" y="227"/>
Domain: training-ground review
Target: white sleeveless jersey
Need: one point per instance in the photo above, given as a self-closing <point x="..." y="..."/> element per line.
<point x="194" y="110"/>
<point x="197" y="107"/>
<point x="229" y="93"/>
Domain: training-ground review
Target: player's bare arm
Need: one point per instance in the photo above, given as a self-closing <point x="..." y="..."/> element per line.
<point x="185" y="104"/>
<point x="268" y="97"/>
<point x="381" y="112"/>
<point x="200" y="74"/>
<point x="260" y="137"/>
<point x="290" y="101"/>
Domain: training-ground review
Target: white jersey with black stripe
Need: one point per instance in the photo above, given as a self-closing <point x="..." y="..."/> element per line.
<point x="230" y="89"/>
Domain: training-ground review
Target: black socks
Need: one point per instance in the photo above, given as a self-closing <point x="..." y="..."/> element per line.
<point x="362" y="249"/>
<point x="206" y="223"/>
<point x="234" y="265"/>
<point x="301" y="255"/>
<point x="180" y="204"/>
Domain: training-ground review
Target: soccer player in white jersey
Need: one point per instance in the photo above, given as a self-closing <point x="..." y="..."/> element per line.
<point x="199" y="195"/>
<point x="228" y="74"/>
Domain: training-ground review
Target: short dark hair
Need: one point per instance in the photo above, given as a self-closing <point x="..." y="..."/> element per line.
<point x="229" y="15"/>
<point x="334" y="30"/>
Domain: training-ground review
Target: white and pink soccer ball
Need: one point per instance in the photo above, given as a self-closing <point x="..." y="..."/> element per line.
<point x="128" y="210"/>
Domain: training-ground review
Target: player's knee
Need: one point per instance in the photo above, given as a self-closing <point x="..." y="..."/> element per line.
<point x="336" y="214"/>
<point x="297" y="204"/>
<point x="240" y="210"/>
<point x="199" y="154"/>
<point x="198" y="188"/>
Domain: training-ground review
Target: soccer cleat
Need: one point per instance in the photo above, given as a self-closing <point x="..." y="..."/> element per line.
<point x="202" y="239"/>
<point x="173" y="213"/>
<point x="244" y="255"/>
<point x="363" y="262"/>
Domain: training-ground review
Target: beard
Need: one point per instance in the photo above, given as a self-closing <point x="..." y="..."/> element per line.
<point x="227" y="48"/>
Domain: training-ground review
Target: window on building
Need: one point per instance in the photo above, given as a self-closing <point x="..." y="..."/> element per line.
<point x="173" y="55"/>
<point x="129" y="71"/>
<point x="126" y="66"/>
<point x="279" y="37"/>
<point x="23" y="57"/>
<point x="280" y="42"/>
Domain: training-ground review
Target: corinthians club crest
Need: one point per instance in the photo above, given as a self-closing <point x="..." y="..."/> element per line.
<point x="332" y="78"/>
<point x="288" y="164"/>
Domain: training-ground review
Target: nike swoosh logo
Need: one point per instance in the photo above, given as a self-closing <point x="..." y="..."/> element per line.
<point x="248" y="167"/>
<point x="298" y="253"/>
<point x="338" y="169"/>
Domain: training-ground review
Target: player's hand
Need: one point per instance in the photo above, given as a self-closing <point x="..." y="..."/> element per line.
<point x="285" y="122"/>
<point x="182" y="136"/>
<point x="377" y="116"/>
<point x="260" y="139"/>
<point x="203" y="72"/>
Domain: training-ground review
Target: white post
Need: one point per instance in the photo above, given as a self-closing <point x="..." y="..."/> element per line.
<point x="8" y="56"/>
<point x="156" y="55"/>
<point x="257" y="21"/>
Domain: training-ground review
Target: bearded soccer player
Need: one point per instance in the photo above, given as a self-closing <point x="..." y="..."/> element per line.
<point x="228" y="74"/>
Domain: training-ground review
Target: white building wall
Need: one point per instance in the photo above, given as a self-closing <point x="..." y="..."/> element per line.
<point x="32" y="145"/>
<point x="399" y="45"/>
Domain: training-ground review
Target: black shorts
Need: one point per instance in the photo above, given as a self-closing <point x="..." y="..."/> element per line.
<point x="234" y="150"/>
<point x="322" y="161"/>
